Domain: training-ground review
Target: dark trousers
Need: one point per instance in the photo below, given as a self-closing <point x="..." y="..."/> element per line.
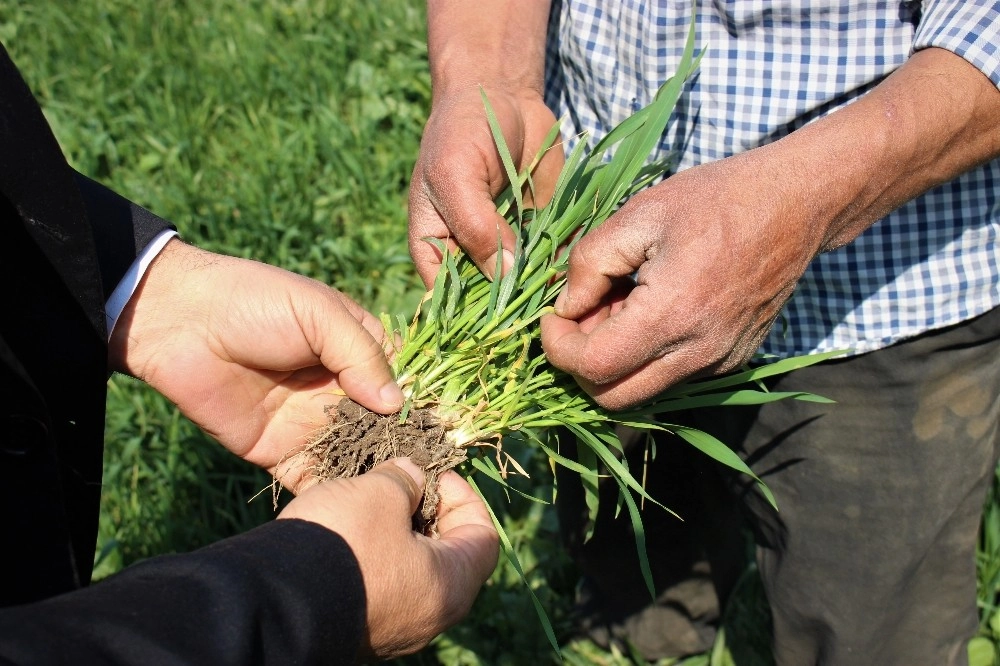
<point x="871" y="556"/>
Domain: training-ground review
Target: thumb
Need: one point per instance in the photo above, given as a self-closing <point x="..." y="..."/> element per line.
<point x="348" y="350"/>
<point x="406" y="475"/>
<point x="597" y="262"/>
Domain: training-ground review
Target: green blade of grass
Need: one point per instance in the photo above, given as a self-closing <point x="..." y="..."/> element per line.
<point x="716" y="450"/>
<point x="515" y="562"/>
<point x="505" y="156"/>
<point x="487" y="467"/>
<point x="741" y="397"/>
<point x="781" y="367"/>
<point x="639" y="531"/>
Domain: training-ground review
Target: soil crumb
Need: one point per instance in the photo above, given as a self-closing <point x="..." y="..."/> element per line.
<point x="356" y="439"/>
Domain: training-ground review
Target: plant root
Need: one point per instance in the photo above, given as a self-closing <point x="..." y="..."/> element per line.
<point x="355" y="440"/>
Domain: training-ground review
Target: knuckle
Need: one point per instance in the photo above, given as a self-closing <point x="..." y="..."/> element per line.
<point x="598" y="368"/>
<point x="433" y="172"/>
<point x="394" y="486"/>
<point x="607" y="401"/>
<point x="584" y="255"/>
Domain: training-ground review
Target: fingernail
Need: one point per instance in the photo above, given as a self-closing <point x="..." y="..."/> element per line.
<point x="508" y="261"/>
<point x="491" y="264"/>
<point x="411" y="469"/>
<point x="561" y="299"/>
<point x="391" y="396"/>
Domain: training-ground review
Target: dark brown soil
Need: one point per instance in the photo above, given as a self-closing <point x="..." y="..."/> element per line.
<point x="356" y="440"/>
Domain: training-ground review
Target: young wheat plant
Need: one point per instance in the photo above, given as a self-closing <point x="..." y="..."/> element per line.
<point x="470" y="362"/>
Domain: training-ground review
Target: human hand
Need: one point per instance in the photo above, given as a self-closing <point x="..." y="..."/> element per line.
<point x="459" y="173"/>
<point x="251" y="353"/>
<point x="716" y="249"/>
<point x="415" y="586"/>
<point x="719" y="248"/>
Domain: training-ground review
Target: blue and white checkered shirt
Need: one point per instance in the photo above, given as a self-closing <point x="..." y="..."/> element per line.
<point x="770" y="66"/>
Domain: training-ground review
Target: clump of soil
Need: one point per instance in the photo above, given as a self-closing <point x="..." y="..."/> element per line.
<point x="356" y="439"/>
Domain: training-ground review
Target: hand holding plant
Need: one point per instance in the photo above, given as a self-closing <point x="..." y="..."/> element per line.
<point x="470" y="362"/>
<point x="714" y="260"/>
<point x="415" y="586"/>
<point x="459" y="175"/>
<point x="251" y="353"/>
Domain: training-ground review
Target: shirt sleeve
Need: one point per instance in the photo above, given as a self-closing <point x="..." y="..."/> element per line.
<point x="967" y="28"/>
<point x="133" y="276"/>
<point x="121" y="228"/>
<point x="127" y="238"/>
<point x="287" y="592"/>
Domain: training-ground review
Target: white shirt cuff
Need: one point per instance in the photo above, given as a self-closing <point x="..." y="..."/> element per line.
<point x="123" y="292"/>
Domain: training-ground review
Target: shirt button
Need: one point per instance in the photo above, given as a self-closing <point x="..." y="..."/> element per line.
<point x="20" y="434"/>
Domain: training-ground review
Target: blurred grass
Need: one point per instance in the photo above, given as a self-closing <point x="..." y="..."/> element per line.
<point x="279" y="131"/>
<point x="282" y="131"/>
<point x="285" y="131"/>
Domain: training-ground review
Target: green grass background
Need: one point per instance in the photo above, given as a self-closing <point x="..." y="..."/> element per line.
<point x="285" y="131"/>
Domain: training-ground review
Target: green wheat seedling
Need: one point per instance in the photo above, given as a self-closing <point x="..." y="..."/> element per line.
<point x="472" y="355"/>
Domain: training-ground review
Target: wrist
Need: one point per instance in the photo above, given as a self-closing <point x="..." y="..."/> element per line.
<point x="150" y="318"/>
<point x="499" y="44"/>
<point x="833" y="175"/>
<point x="129" y="282"/>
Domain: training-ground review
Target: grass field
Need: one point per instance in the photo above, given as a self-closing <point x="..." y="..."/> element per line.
<point x="285" y="131"/>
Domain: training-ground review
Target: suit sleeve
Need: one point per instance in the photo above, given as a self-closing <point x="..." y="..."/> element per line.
<point x="288" y="592"/>
<point x="121" y="229"/>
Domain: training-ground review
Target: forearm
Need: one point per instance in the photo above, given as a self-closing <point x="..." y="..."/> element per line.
<point x="930" y="121"/>
<point x="496" y="43"/>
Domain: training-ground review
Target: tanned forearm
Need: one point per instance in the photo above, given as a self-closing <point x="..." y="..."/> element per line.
<point x="490" y="43"/>
<point x="930" y="121"/>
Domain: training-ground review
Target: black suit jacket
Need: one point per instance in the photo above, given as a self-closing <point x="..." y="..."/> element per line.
<point x="288" y="592"/>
